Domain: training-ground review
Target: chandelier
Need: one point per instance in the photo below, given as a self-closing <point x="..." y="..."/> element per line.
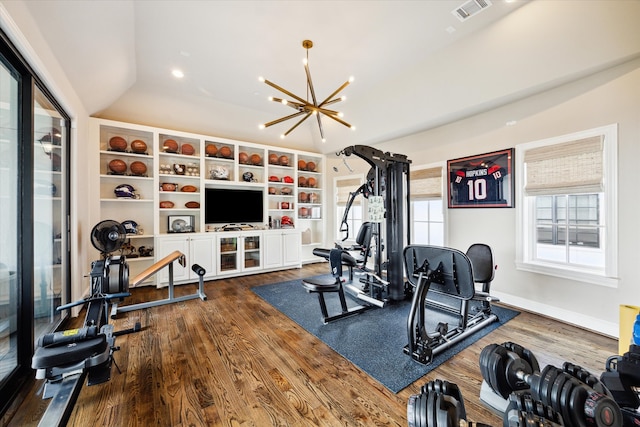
<point x="306" y="108"/>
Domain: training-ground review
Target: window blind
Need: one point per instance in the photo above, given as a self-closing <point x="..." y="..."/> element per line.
<point x="344" y="187"/>
<point x="572" y="167"/>
<point x="426" y="183"/>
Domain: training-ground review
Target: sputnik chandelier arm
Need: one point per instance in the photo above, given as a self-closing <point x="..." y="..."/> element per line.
<point x="303" y="106"/>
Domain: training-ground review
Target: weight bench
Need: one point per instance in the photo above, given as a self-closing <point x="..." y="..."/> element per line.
<point x="355" y="256"/>
<point x="448" y="272"/>
<point x="322" y="285"/>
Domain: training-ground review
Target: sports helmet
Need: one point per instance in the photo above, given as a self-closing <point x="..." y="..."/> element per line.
<point x="131" y="227"/>
<point x="126" y="191"/>
<point x="219" y="172"/>
<point x="248" y="177"/>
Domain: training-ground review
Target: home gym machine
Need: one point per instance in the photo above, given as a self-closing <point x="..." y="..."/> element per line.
<point x="387" y="189"/>
<point x="448" y="274"/>
<point x="66" y="358"/>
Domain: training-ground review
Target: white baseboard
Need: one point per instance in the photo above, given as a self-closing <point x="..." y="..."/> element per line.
<point x="598" y="325"/>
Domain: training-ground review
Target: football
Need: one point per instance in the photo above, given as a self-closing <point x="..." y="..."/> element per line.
<point x="211" y="150"/>
<point x="192" y="205"/>
<point x="138" y="146"/>
<point x="117" y="166"/>
<point x="138" y="168"/>
<point x="170" y="146"/>
<point x="189" y="189"/>
<point x="188" y="149"/>
<point x="166" y="204"/>
<point x="118" y="143"/>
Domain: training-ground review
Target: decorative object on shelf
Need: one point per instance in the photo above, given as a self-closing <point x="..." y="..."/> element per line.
<point x="165" y="169"/>
<point x="189" y="188"/>
<point x="303" y="197"/>
<point x="243" y="158"/>
<point x="118" y="143"/>
<point x="138" y="146"/>
<point x="128" y="250"/>
<point x="170" y="146"/>
<point x="117" y="167"/>
<point x="302" y="165"/>
<point x="219" y="172"/>
<point x="226" y="152"/>
<point x="286" y="221"/>
<point x="305" y="108"/>
<point x="302" y="181"/>
<point x="256" y="159"/>
<point x="179" y="169"/>
<point x="311" y="166"/>
<point x="286" y="191"/>
<point x="187" y="149"/>
<point x="138" y="168"/>
<point x="131" y="227"/>
<point x="145" y="251"/>
<point x="273" y="159"/>
<point x="274" y="178"/>
<point x="248" y="177"/>
<point x="193" y="169"/>
<point x="283" y="160"/>
<point x="285" y="205"/>
<point x="211" y="150"/>
<point x="313" y="198"/>
<point x="272" y="190"/>
<point x="180" y="224"/>
<point x="311" y="182"/>
<point x="287" y="179"/>
<point x="168" y="186"/>
<point x="192" y="205"/>
<point x="166" y="204"/>
<point x="303" y="212"/>
<point x="125" y="191"/>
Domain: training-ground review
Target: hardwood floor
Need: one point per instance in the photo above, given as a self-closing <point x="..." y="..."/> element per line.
<point x="234" y="360"/>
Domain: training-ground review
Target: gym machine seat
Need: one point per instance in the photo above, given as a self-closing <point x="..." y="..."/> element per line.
<point x="481" y="257"/>
<point x="333" y="283"/>
<point x="356" y="255"/>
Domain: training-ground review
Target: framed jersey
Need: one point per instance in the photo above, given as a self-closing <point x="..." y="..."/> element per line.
<point x="482" y="181"/>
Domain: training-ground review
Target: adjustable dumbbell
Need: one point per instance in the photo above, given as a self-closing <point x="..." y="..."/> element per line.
<point x="523" y="410"/>
<point x="574" y="393"/>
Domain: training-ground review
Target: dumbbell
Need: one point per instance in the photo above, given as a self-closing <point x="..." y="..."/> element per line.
<point x="524" y="410"/>
<point x="577" y="395"/>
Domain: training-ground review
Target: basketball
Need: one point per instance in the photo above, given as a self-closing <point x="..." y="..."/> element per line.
<point x="170" y="146"/>
<point x="211" y="150"/>
<point x="311" y="167"/>
<point x="117" y="166"/>
<point x="243" y="158"/>
<point x="311" y="182"/>
<point x="226" y="152"/>
<point x="302" y="181"/>
<point x="284" y="161"/>
<point x="118" y="143"/>
<point x="188" y="149"/>
<point x="302" y="196"/>
<point x="256" y="159"/>
<point x="302" y="165"/>
<point x="273" y="159"/>
<point x="138" y="168"/>
<point x="139" y="146"/>
<point x="272" y="190"/>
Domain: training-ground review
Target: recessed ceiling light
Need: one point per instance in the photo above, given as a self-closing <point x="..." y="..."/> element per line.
<point x="511" y="122"/>
<point x="178" y="74"/>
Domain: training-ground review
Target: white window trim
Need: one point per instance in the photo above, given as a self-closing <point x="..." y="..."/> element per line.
<point x="444" y="191"/>
<point x="525" y="213"/>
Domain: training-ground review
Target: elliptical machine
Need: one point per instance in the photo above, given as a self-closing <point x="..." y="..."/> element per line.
<point x="65" y="358"/>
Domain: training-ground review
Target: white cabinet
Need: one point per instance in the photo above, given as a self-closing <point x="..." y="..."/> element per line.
<point x="281" y="248"/>
<point x="239" y="252"/>
<point x="197" y="248"/>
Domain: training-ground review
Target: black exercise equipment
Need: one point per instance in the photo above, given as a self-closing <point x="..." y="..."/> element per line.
<point x="447" y="272"/>
<point x="572" y="391"/>
<point x="440" y="404"/>
<point x="331" y="284"/>
<point x="622" y="379"/>
<point x="356" y="255"/>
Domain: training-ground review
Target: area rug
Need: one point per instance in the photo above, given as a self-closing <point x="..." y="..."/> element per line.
<point x="372" y="340"/>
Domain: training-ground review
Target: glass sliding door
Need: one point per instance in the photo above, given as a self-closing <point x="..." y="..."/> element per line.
<point x="9" y="222"/>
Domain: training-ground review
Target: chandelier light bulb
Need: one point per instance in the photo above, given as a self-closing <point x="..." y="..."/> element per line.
<point x="340" y="114"/>
<point x="270" y="98"/>
<point x="284" y="102"/>
<point x="177" y="73"/>
<point x="304" y="61"/>
<point x="261" y="126"/>
<point x="343" y="98"/>
<point x="261" y="79"/>
<point x="351" y="79"/>
<point x="324" y="140"/>
<point x="353" y="128"/>
<point x="282" y="136"/>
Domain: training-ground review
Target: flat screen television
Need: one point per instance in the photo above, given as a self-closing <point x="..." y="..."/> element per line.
<point x="233" y="206"/>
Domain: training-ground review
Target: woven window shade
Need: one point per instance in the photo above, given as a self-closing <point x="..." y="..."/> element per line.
<point x="572" y="167"/>
<point x="426" y="183"/>
<point x="344" y="187"/>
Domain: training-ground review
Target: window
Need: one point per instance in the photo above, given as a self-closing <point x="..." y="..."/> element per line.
<point x="353" y="220"/>
<point x="427" y="210"/>
<point x="567" y="225"/>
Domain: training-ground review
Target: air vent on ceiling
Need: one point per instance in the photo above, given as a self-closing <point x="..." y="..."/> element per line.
<point x="470" y="8"/>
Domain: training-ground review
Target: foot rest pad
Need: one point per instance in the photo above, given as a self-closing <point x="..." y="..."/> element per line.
<point x="48" y="357"/>
<point x="321" y="284"/>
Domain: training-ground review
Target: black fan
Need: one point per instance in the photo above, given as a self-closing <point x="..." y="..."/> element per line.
<point x="108" y="236"/>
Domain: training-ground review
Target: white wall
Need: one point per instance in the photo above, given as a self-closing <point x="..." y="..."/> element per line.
<point x="611" y="96"/>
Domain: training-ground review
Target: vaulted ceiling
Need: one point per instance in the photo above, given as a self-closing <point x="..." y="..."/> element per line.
<point x="416" y="65"/>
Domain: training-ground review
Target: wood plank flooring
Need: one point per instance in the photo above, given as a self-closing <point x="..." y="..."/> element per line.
<point x="234" y="360"/>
